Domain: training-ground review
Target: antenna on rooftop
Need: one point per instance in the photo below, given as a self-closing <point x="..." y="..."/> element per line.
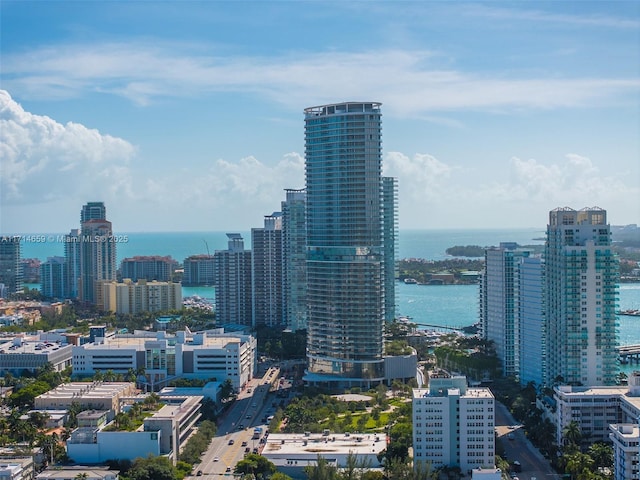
<point x="206" y="245"/>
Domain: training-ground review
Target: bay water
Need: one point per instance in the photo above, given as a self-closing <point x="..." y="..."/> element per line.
<point x="438" y="306"/>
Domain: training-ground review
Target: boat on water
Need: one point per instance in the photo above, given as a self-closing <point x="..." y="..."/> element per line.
<point x="630" y="313"/>
<point x="410" y="281"/>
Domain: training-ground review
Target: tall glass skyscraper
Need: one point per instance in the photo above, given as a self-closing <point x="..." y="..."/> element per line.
<point x="581" y="289"/>
<point x="345" y="244"/>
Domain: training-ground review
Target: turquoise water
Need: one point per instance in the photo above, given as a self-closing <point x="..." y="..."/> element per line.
<point x="429" y="244"/>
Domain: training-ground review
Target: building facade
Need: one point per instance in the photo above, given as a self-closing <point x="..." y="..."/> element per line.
<point x="198" y="270"/>
<point x="581" y="275"/>
<point x="72" y="263"/>
<point x="499" y="303"/>
<point x="453" y="425"/>
<point x="53" y="277"/>
<point x="267" y="274"/>
<point x="532" y="342"/>
<point x="232" y="273"/>
<point x="345" y="244"/>
<point x="390" y="234"/>
<point x="294" y="259"/>
<point x="10" y="267"/>
<point x="130" y="297"/>
<point x="97" y="253"/>
<point x="152" y="267"/>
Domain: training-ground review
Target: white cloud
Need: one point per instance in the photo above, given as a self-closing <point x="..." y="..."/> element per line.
<point x="436" y="193"/>
<point x="43" y="160"/>
<point x="407" y="81"/>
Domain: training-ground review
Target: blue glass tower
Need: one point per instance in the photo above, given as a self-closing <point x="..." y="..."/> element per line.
<point x="345" y="244"/>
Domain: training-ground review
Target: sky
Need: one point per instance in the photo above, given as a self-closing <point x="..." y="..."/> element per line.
<point x="188" y="116"/>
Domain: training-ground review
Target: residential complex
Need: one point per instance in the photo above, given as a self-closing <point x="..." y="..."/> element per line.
<point x="130" y="297"/>
<point x="152" y="267"/>
<point x="97" y="253"/>
<point x="294" y="258"/>
<point x="581" y="275"/>
<point x="498" y="303"/>
<point x="198" y="270"/>
<point x="267" y="272"/>
<point x="232" y="273"/>
<point x="453" y="424"/>
<point x="53" y="277"/>
<point x="532" y="351"/>
<point x="10" y="268"/>
<point x="345" y="244"/>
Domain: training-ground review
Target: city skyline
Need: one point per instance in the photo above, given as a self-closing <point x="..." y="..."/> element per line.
<point x="187" y="117"/>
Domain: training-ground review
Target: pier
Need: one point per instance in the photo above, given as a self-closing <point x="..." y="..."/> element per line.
<point x="629" y="354"/>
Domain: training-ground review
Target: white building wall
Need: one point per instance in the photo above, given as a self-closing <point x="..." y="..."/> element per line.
<point x="111" y="445"/>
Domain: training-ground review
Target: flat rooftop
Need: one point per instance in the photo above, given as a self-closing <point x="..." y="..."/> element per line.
<point x="302" y="446"/>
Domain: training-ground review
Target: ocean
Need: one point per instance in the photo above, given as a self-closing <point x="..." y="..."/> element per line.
<point x="439" y="306"/>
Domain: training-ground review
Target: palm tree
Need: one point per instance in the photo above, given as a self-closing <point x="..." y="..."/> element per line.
<point x="572" y="435"/>
<point x="602" y="454"/>
<point x="82" y="475"/>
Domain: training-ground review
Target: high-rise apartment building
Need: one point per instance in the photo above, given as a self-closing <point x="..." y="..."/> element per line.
<point x="498" y="303"/>
<point x="93" y="211"/>
<point x="148" y="267"/>
<point x="10" y="267"/>
<point x="294" y="258"/>
<point x="198" y="270"/>
<point x="581" y="275"/>
<point x="267" y="273"/>
<point x="72" y="263"/>
<point x="53" y="278"/>
<point x="131" y="297"/>
<point x="232" y="274"/>
<point x="390" y="233"/>
<point x="97" y="253"/>
<point x="345" y="244"/>
<point x="532" y="342"/>
<point x="453" y="425"/>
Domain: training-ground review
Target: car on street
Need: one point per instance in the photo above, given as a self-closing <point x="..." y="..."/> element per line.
<point x="216" y="459"/>
<point x="231" y="441"/>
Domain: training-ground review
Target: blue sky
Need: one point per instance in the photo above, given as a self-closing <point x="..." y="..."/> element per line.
<point x="188" y="115"/>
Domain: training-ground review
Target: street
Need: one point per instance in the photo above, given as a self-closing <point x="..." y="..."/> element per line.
<point x="517" y="447"/>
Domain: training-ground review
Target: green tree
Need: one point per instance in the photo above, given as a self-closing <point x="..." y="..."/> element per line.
<point x="572" y="436"/>
<point x="602" y="454"/>
<point x="256" y="465"/>
<point x="322" y="470"/>
<point x="152" y="468"/>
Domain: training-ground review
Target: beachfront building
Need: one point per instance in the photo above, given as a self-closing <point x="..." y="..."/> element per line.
<point x="498" y="303"/>
<point x="267" y="274"/>
<point x="97" y="253"/>
<point x="453" y="424"/>
<point x="345" y="244"/>
<point x="201" y="355"/>
<point x="10" y="267"/>
<point x="294" y="259"/>
<point x="581" y="275"/>
<point x="130" y="297"/>
<point x="233" y="281"/>
<point x="198" y="271"/>
<point x="148" y="267"/>
<point x="53" y="278"/>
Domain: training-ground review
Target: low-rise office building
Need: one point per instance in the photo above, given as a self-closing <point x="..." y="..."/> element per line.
<point x="201" y="355"/>
<point x="290" y="453"/>
<point x="28" y="353"/>
<point x="70" y="473"/>
<point x="95" y="395"/>
<point x="162" y="434"/>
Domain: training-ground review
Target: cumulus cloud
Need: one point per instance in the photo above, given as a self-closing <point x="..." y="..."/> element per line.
<point x="43" y="160"/>
<point x="434" y="192"/>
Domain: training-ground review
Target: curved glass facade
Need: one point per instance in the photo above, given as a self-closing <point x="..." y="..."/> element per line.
<point x="345" y="240"/>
